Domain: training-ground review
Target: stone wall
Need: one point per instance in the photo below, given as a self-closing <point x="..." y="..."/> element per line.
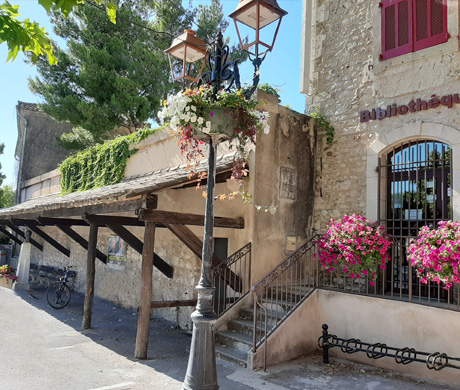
<point x="37" y="147"/>
<point x="346" y="76"/>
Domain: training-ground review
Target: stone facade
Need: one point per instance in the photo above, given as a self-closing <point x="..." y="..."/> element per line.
<point x="344" y="76"/>
<point x="37" y="149"/>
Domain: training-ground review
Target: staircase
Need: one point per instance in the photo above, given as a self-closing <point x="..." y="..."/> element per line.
<point x="275" y="297"/>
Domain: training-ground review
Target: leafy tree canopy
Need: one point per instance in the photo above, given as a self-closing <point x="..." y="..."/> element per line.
<point x="113" y="76"/>
<point x="28" y="36"/>
<point x="6" y="196"/>
<point x="2" y="176"/>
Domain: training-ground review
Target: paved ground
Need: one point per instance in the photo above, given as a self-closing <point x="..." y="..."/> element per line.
<point x="46" y="349"/>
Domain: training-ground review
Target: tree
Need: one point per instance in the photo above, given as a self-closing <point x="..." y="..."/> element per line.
<point x="6" y="196"/>
<point x="29" y="37"/>
<point x="115" y="75"/>
<point x="2" y="176"/>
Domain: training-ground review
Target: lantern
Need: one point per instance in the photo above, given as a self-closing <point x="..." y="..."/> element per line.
<point x="188" y="49"/>
<point x="258" y="14"/>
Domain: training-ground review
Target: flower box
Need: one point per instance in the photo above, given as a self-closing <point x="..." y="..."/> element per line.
<point x="6" y="283"/>
<point x="221" y="125"/>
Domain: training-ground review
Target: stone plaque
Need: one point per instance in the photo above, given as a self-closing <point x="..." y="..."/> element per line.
<point x="288" y="183"/>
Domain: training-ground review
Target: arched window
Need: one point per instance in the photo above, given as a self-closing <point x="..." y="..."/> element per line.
<point x="416" y="188"/>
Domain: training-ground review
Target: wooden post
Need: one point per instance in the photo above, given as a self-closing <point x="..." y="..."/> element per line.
<point x="143" y="323"/>
<point x="90" y="273"/>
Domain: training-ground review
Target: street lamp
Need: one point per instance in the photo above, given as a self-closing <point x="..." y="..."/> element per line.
<point x="201" y="370"/>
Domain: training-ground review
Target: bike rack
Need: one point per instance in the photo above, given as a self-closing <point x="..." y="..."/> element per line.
<point x="434" y="361"/>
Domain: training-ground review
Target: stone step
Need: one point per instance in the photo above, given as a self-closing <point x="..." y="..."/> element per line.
<point x="233" y="355"/>
<point x="237" y="340"/>
<point x="246" y="326"/>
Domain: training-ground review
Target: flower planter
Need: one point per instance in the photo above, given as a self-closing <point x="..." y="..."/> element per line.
<point x="221" y="125"/>
<point x="6" y="283"/>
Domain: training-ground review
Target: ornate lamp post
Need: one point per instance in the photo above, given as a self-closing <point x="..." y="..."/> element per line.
<point x="201" y="371"/>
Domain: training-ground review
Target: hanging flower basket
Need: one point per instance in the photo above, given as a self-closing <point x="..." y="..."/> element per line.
<point x="196" y="114"/>
<point x="221" y="125"/>
<point x="436" y="254"/>
<point x="356" y="246"/>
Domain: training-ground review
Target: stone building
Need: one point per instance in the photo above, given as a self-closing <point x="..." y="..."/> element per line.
<point x="385" y="74"/>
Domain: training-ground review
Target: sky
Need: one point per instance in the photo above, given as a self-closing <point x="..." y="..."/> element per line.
<point x="281" y="69"/>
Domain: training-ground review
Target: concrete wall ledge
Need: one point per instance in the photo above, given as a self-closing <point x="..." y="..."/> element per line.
<point x="395" y="323"/>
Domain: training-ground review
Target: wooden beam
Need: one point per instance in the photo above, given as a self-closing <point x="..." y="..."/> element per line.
<point x="61" y="221"/>
<point x="50" y="240"/>
<point x="196" y="246"/>
<point x="10" y="236"/>
<point x="138" y="246"/>
<point x="103" y="208"/>
<point x="11" y="225"/>
<point x="143" y="323"/>
<point x="80" y="240"/>
<point x="163" y="304"/>
<point x="188" y="302"/>
<point x="90" y="276"/>
<point x="105" y="220"/>
<point x="169" y="217"/>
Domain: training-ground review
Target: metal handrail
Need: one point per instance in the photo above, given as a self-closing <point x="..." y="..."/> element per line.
<point x="293" y="279"/>
<point x="239" y="265"/>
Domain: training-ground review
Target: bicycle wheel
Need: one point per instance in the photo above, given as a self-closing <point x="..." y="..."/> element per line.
<point x="58" y="296"/>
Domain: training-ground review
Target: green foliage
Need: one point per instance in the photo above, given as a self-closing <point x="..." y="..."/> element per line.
<point x="270" y="90"/>
<point x="6" y="200"/>
<point x="100" y="165"/>
<point x="6" y="197"/>
<point x="111" y="76"/>
<point x="2" y="176"/>
<point x="324" y="124"/>
<point x="29" y="37"/>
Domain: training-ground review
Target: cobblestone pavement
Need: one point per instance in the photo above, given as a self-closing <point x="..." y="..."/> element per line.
<point x="46" y="349"/>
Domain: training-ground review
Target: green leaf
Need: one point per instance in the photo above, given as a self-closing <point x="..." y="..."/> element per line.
<point x="112" y="12"/>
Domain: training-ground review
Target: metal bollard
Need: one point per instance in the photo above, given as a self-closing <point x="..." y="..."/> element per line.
<point x="325" y="344"/>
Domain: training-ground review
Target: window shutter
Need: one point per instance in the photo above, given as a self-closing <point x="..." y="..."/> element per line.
<point x="396" y="28"/>
<point x="430" y="23"/>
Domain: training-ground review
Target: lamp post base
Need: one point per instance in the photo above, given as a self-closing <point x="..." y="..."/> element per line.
<point x="201" y="369"/>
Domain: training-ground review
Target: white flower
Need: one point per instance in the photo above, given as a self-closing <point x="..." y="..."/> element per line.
<point x="193" y="118"/>
<point x="193" y="108"/>
<point x="200" y="120"/>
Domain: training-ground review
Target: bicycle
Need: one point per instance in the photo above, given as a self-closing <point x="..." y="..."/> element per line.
<point x="58" y="294"/>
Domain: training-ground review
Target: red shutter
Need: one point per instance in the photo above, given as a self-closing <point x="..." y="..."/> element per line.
<point x="396" y="28"/>
<point x="430" y="23"/>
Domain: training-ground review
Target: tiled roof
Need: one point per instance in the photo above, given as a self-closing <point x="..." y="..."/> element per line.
<point x="147" y="183"/>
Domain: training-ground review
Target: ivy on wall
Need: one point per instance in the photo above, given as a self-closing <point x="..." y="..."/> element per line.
<point x="100" y="165"/>
<point x="324" y="124"/>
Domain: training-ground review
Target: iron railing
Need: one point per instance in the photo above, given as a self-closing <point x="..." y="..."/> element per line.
<point x="232" y="279"/>
<point x="398" y="281"/>
<point x="279" y="293"/>
<point x="434" y="361"/>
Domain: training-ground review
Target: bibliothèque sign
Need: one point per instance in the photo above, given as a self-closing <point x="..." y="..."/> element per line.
<point x="413" y="106"/>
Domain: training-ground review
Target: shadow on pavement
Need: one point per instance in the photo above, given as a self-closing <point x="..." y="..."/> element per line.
<point x="115" y="328"/>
